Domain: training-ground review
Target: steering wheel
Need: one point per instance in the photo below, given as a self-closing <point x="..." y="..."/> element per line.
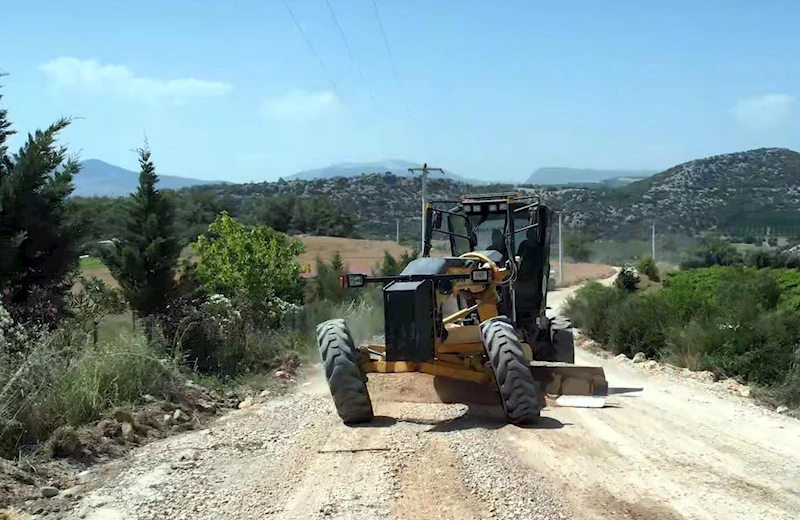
<point x="481" y="257"/>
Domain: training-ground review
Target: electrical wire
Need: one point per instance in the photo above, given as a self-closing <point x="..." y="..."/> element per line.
<point x="311" y="47"/>
<point x="389" y="52"/>
<point x="350" y="53"/>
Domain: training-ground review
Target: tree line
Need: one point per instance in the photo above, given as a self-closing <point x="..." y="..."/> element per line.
<point x="195" y="208"/>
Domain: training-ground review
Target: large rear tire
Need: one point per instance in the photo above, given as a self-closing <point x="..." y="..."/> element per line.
<point x="345" y="379"/>
<point x="560" y="344"/>
<point x="519" y="391"/>
<point x="563" y="341"/>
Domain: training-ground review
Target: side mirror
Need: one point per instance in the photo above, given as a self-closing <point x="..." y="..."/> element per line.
<point x="352" y="281"/>
<point x="437" y="220"/>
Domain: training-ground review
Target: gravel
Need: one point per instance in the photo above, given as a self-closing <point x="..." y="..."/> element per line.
<point x="290" y="457"/>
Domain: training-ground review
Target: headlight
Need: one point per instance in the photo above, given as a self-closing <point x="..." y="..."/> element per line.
<point x="480" y="275"/>
<point x="352" y="281"/>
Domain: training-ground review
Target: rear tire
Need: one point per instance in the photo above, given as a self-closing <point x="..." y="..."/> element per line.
<point x="345" y="379"/>
<point x="519" y="391"/>
<point x="564" y="343"/>
<point x="561" y="345"/>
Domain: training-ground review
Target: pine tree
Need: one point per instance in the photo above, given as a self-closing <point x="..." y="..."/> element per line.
<point x="143" y="260"/>
<point x="38" y="236"/>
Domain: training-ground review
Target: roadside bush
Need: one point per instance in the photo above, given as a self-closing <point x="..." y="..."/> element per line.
<point x="62" y="378"/>
<point x="712" y="252"/>
<point x="647" y="266"/>
<point x="627" y="280"/>
<point x="639" y="323"/>
<point x="686" y="346"/>
<point x="734" y="321"/>
<point x="591" y="307"/>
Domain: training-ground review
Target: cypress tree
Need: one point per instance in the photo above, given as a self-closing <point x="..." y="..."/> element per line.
<point x="143" y="259"/>
<point x="39" y="237"/>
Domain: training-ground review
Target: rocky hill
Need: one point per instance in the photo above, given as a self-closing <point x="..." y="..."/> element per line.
<point x="733" y="192"/>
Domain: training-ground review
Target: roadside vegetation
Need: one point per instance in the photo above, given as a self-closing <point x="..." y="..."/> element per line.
<point x="76" y="350"/>
<point x="736" y="315"/>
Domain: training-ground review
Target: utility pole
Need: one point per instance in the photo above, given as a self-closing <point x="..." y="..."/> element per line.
<point x="653" y="242"/>
<point x="398" y="231"/>
<point x="424" y="171"/>
<point x="560" y="254"/>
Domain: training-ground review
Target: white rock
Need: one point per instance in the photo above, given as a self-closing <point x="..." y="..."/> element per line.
<point x="247" y="403"/>
<point x="745" y="391"/>
<point x="651" y="364"/>
<point x="622" y="358"/>
<point x="639" y="357"/>
<point x="782" y="409"/>
<point x="265" y="393"/>
<point x="281" y="374"/>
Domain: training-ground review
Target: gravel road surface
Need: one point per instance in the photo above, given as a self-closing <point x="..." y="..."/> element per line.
<point x="665" y="447"/>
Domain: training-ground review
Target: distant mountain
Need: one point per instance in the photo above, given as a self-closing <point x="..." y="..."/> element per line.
<point x="98" y="178"/>
<point x="397" y="167"/>
<point x="557" y="175"/>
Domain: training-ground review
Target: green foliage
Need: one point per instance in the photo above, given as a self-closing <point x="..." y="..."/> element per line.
<point x="591" y="307"/>
<point x="712" y="252"/>
<point x="38" y="236"/>
<point x="735" y="321"/>
<point x="576" y="246"/>
<point x="391" y="266"/>
<point x="326" y="284"/>
<point x="143" y="260"/>
<point x="627" y="279"/>
<point x="647" y="266"/>
<point x="93" y="303"/>
<point x="64" y="378"/>
<point x="314" y="216"/>
<point x="639" y="324"/>
<point x="254" y="266"/>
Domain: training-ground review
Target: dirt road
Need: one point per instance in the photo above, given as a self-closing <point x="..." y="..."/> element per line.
<point x="663" y="448"/>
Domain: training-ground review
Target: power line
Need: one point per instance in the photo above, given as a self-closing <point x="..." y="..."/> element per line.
<point x="350" y="53"/>
<point x="308" y="42"/>
<point x="389" y="52"/>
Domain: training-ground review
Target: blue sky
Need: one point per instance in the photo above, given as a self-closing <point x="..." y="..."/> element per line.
<point x="230" y="90"/>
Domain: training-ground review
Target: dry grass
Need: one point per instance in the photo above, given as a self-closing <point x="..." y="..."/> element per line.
<point x="359" y="255"/>
<point x="580" y="272"/>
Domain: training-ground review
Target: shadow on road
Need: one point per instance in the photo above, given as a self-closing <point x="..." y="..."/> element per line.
<point x="488" y="418"/>
<point x="624" y="390"/>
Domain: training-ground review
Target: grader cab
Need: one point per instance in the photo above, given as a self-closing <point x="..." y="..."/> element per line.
<point x="477" y="315"/>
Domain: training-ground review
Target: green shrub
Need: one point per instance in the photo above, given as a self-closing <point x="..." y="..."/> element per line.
<point x="627" y="279"/>
<point x="639" y="324"/>
<point x="64" y="378"/>
<point x="647" y="266"/>
<point x="591" y="307"/>
<point x="686" y="346"/>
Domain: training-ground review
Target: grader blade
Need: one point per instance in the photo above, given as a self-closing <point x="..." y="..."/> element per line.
<point x="572" y="385"/>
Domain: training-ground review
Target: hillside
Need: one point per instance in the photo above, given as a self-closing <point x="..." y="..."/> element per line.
<point x="740" y="192"/>
<point x="98" y="178"/>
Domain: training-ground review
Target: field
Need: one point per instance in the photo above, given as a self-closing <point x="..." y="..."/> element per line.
<point x="360" y="256"/>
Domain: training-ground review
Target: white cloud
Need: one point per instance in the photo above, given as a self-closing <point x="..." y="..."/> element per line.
<point x="299" y="105"/>
<point x="765" y="111"/>
<point x="119" y="80"/>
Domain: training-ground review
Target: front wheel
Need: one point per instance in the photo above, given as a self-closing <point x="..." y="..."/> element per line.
<point x="519" y="391"/>
<point x="345" y="379"/>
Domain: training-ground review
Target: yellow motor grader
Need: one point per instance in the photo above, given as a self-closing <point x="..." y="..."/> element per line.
<point x="496" y="331"/>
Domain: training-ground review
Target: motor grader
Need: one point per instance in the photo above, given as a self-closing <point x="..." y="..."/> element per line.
<point x="476" y="315"/>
